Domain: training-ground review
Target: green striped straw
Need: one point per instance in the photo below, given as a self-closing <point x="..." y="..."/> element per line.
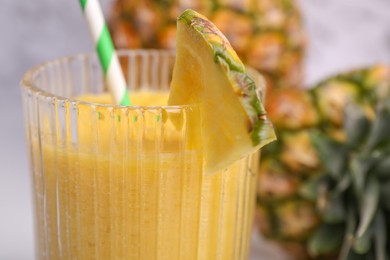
<point x="106" y="52"/>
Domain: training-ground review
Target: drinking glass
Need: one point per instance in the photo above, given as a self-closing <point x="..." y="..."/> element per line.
<point x="114" y="182"/>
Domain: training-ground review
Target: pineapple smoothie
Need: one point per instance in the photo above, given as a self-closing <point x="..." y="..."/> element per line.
<point x="166" y="178"/>
<point x="106" y="199"/>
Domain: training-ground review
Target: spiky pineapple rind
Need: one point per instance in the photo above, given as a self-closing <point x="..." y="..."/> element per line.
<point x="213" y="36"/>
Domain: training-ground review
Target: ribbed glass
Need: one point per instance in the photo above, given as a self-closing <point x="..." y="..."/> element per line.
<point x="115" y="182"/>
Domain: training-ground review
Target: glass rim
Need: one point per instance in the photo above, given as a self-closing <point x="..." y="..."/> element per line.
<point x="27" y="81"/>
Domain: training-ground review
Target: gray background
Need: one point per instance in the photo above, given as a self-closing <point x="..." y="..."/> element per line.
<point x="343" y="34"/>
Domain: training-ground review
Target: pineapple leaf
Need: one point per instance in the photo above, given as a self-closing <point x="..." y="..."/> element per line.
<point x="354" y="256"/>
<point x="342" y="185"/>
<point x="380" y="236"/>
<point x="326" y="239"/>
<point x="333" y="154"/>
<point x="310" y="189"/>
<point x="334" y="211"/>
<point x="379" y="134"/>
<point x="356" y="124"/>
<point x="360" y="167"/>
<point x="362" y="243"/>
<point x="385" y="195"/>
<point x="368" y="207"/>
<point x="349" y="233"/>
<point x="382" y="169"/>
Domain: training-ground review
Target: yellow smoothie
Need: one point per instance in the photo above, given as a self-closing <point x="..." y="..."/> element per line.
<point x="123" y="183"/>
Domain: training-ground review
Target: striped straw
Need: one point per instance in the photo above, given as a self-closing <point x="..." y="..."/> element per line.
<point x="106" y="52"/>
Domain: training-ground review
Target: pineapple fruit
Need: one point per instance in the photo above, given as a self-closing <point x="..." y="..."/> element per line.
<point x="286" y="213"/>
<point x="207" y="72"/>
<point x="266" y="34"/>
<point x="353" y="190"/>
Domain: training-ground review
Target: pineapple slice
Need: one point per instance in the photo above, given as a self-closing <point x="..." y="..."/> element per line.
<point x="209" y="73"/>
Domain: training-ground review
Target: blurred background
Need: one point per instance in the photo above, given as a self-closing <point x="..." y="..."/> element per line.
<point x="341" y="34"/>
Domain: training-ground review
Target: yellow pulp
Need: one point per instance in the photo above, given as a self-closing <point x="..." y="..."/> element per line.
<point x="129" y="185"/>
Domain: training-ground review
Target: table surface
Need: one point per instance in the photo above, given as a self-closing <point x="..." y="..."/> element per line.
<point x="343" y="34"/>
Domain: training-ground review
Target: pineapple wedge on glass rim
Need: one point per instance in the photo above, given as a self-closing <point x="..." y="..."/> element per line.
<point x="209" y="73"/>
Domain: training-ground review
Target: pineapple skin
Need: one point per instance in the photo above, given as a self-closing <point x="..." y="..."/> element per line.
<point x="267" y="35"/>
<point x="283" y="214"/>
